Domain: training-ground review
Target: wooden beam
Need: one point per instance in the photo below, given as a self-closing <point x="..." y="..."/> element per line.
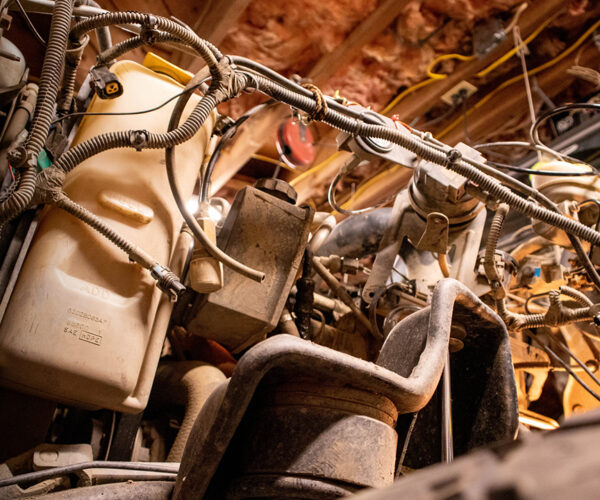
<point x="511" y="102"/>
<point x="418" y="103"/>
<point x="382" y="187"/>
<point x="249" y="138"/>
<point x="364" y="33"/>
<point x="217" y="18"/>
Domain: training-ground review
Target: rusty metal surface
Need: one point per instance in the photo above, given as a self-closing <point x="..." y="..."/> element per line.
<point x="407" y="373"/>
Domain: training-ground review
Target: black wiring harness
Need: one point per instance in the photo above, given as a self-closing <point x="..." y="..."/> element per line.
<point x="229" y="76"/>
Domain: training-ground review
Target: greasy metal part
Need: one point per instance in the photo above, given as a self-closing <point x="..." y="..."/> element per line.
<point x="324" y="426"/>
<point x="358" y="235"/>
<point x="447" y="438"/>
<point x="484" y="398"/>
<point x="435" y="213"/>
<point x="305" y="287"/>
<point x="409" y="367"/>
<point x="278" y="188"/>
<point x="367" y="148"/>
<point x="437" y="190"/>
<point x="267" y="233"/>
<point x="388" y="248"/>
<point x="148" y="490"/>
<point x="433" y="234"/>
<point x="16" y="251"/>
<point x="343" y="295"/>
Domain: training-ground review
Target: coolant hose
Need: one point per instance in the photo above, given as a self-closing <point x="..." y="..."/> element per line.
<point x="322" y="233"/>
<point x="357" y="236"/>
<point x="188" y="383"/>
<point x="42" y="117"/>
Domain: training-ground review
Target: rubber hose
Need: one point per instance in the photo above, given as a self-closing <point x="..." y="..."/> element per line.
<point x="357" y="236"/>
<point x="209" y="246"/>
<point x="188" y="383"/>
<point x="42" y="118"/>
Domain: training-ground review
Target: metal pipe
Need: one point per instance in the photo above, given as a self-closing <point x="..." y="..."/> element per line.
<point x="447" y="439"/>
<point x="341" y="292"/>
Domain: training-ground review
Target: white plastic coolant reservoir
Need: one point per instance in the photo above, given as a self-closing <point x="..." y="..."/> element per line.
<point x="84" y="325"/>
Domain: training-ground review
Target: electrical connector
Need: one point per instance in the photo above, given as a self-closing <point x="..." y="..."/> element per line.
<point x="105" y="83"/>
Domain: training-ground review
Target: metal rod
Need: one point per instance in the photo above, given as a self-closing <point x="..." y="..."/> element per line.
<point x="447" y="439"/>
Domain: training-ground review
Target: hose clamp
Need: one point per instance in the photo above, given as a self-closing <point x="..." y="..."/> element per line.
<point x="150" y="21"/>
<point x="149" y="34"/>
<point x="453" y="155"/>
<point x="139" y="139"/>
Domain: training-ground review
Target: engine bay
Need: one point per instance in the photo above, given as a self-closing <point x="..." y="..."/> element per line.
<point x="158" y="340"/>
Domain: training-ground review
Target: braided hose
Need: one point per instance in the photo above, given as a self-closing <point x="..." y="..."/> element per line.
<point x="102" y="34"/>
<point x="133" y="43"/>
<point x="576" y="295"/>
<point x="135" y="253"/>
<point x="72" y="59"/>
<point x="519" y="321"/>
<point x="205" y="49"/>
<point x="42" y="118"/>
<point x="451" y="159"/>
<point x="489" y="260"/>
<point x="557" y="315"/>
<point x="50" y="76"/>
<point x="128" y="139"/>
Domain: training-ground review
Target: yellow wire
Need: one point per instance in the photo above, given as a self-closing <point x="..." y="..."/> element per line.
<point x="440" y="76"/>
<point x="404" y="93"/>
<point x="515" y="79"/>
<point x="445" y="57"/>
<point x="272" y="161"/>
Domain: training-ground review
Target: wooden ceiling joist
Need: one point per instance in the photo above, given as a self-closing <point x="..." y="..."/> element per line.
<point x="511" y="103"/>
<point x="364" y="33"/>
<point x="421" y="101"/>
<point x="216" y="19"/>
